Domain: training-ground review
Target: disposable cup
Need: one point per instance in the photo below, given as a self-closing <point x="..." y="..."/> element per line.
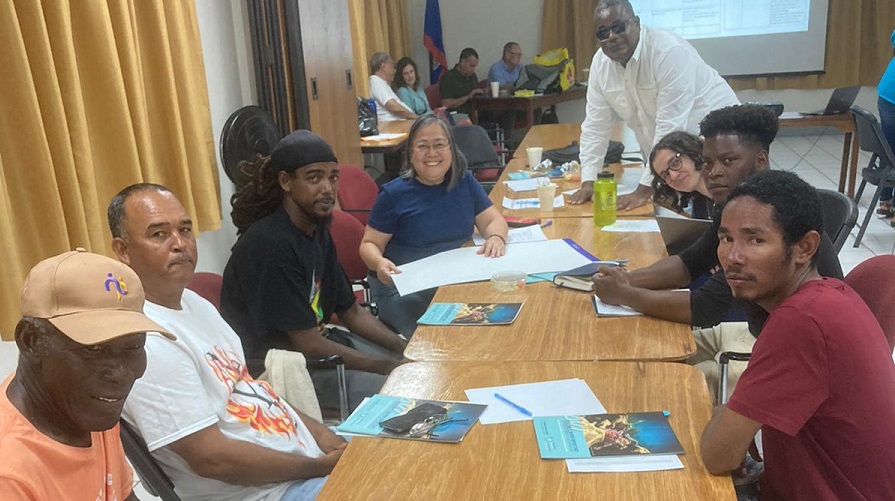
<point x="534" y="156"/>
<point x="546" y="194"/>
<point x="495" y="89"/>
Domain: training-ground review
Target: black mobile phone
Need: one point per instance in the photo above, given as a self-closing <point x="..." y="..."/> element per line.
<point x="403" y="422"/>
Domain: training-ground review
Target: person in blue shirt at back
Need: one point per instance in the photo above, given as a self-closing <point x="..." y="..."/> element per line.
<point x="506" y="71"/>
<point x="407" y="87"/>
<point x="886" y="106"/>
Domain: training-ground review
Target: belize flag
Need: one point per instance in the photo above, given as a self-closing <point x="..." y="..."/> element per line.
<point x="433" y="42"/>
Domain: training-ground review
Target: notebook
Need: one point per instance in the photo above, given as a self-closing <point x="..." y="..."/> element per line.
<point x="840" y="101"/>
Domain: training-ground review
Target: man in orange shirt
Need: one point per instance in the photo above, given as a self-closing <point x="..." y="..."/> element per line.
<point x="81" y="341"/>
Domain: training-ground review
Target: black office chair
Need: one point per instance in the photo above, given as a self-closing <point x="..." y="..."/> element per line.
<point x="155" y="481"/>
<point x="840" y="216"/>
<point x="481" y="158"/>
<point x="256" y="367"/>
<point x="880" y="172"/>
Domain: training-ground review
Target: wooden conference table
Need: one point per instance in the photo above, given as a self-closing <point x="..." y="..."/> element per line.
<point x="391" y="148"/>
<point x="526" y="105"/>
<point x="842" y="122"/>
<point x="557" y="323"/>
<point x="501" y="461"/>
<point x="391" y="145"/>
<point x="550" y="137"/>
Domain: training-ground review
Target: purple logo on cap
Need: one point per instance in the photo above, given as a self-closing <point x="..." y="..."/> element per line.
<point x="118" y="283"/>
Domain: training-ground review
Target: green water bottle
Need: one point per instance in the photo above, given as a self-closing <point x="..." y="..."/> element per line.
<point x="604" y="199"/>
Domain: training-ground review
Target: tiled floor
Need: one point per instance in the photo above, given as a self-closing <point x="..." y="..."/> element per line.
<point x="816" y="158"/>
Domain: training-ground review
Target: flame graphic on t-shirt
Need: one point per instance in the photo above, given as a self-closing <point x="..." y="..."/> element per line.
<point x="252" y="402"/>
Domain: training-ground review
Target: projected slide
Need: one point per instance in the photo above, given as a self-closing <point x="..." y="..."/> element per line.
<point x="695" y="19"/>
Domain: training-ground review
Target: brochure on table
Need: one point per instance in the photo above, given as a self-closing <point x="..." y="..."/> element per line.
<point x="470" y="314"/>
<point x="598" y="435"/>
<point x="466" y="265"/>
<point x="456" y="422"/>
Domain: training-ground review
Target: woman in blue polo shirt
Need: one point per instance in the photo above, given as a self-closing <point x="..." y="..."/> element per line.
<point x="431" y="208"/>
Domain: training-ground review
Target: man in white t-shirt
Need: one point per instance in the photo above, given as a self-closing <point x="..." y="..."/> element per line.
<point x="388" y="106"/>
<point x="219" y="434"/>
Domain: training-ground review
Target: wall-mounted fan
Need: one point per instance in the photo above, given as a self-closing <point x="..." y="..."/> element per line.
<point x="248" y="131"/>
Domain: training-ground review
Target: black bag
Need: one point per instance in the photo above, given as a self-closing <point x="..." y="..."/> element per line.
<point x="541" y="79"/>
<point x="367" y="122"/>
<point x="572" y="152"/>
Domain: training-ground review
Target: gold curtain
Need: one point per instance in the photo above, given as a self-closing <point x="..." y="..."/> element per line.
<point x="569" y="23"/>
<point x="857" y="52"/>
<point x="377" y="26"/>
<point x="95" y="96"/>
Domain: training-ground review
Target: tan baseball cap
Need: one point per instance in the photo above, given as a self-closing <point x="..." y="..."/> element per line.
<point x="89" y="297"/>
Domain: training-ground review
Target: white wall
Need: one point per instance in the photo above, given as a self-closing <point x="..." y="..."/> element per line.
<point x="484" y="26"/>
<point x="227" y="52"/>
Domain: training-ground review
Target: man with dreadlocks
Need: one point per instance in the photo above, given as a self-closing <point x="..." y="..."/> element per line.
<point x="283" y="281"/>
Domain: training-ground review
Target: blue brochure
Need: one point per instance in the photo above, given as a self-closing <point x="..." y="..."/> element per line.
<point x="470" y="314"/>
<point x="575" y="437"/>
<point x="449" y="425"/>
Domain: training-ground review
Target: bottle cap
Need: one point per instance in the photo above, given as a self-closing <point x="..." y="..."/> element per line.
<point x="605" y="175"/>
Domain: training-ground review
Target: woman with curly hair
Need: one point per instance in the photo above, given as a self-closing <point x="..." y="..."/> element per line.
<point x="677" y="163"/>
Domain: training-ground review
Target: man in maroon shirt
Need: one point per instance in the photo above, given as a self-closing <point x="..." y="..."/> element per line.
<point x="821" y="378"/>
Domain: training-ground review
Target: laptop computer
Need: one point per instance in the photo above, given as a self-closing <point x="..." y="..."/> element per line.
<point x="679" y="232"/>
<point x="840" y="101"/>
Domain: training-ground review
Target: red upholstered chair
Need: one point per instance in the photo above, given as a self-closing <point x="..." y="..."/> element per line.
<point x="357" y="192"/>
<point x="207" y="285"/>
<point x="347" y="234"/>
<point x="433" y="94"/>
<point x="872" y="280"/>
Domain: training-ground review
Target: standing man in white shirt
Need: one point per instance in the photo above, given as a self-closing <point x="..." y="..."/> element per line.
<point x="652" y="80"/>
<point x="388" y="106"/>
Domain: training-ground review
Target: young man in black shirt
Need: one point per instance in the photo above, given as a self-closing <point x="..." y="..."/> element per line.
<point x="283" y="281"/>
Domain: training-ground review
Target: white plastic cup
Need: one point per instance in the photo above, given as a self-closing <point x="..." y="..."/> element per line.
<point x="495" y="89"/>
<point x="546" y="194"/>
<point x="534" y="156"/>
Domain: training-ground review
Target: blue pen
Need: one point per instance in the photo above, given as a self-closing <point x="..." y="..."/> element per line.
<point x="516" y="406"/>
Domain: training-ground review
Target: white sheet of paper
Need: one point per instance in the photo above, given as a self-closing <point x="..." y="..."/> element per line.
<point x="790" y="114"/>
<point x="625" y="464"/>
<point x="464" y="265"/>
<point x="384" y="136"/>
<point x="532" y="233"/>
<point x="548" y="398"/>
<point x="529" y="203"/>
<point x="633" y="226"/>
<point x="523" y="184"/>
<point x="614" y="310"/>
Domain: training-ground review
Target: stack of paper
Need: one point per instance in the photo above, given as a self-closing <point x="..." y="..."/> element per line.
<point x="532" y="233"/>
<point x="548" y="398"/>
<point x="466" y="265"/>
<point x="529" y="203"/>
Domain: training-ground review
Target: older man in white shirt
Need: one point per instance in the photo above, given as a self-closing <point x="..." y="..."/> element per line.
<point x="651" y="79"/>
<point x="388" y="106"/>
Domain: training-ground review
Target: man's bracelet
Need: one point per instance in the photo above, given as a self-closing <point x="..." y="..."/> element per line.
<point x="498" y="236"/>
